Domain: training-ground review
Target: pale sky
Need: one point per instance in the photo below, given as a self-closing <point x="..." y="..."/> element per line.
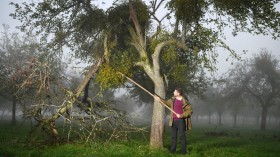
<point x="243" y="41"/>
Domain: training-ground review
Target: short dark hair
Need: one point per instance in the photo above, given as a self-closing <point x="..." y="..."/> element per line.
<point x="179" y="90"/>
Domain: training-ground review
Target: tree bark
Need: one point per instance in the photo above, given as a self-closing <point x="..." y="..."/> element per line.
<point x="157" y="126"/>
<point x="264" y="116"/>
<point x="153" y="71"/>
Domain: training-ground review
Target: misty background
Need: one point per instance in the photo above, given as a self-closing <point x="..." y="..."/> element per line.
<point x="210" y="109"/>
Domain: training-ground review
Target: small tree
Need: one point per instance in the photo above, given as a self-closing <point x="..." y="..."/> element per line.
<point x="235" y="90"/>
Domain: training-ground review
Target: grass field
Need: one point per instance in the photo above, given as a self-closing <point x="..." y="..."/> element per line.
<point x="202" y="141"/>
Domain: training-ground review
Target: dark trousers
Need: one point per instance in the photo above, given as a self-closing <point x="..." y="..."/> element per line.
<point x="178" y="127"/>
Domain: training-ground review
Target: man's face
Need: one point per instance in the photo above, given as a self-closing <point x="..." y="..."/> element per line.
<point x="176" y="93"/>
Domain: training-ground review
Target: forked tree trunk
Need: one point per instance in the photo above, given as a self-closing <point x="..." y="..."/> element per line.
<point x="153" y="71"/>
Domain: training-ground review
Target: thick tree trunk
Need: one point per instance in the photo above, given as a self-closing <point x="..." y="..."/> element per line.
<point x="263" y="120"/>
<point x="157" y="126"/>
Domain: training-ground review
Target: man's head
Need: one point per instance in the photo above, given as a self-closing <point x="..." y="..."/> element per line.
<point x="178" y="92"/>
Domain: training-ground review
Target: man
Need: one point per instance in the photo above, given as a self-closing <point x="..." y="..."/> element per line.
<point x="179" y="122"/>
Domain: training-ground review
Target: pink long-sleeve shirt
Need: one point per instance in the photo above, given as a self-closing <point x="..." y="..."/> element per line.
<point x="178" y="108"/>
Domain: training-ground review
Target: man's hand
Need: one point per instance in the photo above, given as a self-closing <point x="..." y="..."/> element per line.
<point x="178" y="116"/>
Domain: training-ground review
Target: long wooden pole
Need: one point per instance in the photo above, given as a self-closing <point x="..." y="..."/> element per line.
<point x="147" y="92"/>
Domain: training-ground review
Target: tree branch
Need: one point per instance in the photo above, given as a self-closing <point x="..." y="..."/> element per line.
<point x="159" y="48"/>
<point x="106" y="49"/>
<point x="147" y="68"/>
<point x="137" y="26"/>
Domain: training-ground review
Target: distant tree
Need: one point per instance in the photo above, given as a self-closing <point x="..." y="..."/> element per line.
<point x="264" y="82"/>
<point x="274" y="113"/>
<point x="217" y="98"/>
<point x="255" y="81"/>
<point x="15" y="52"/>
<point x="203" y="107"/>
<point x="235" y="90"/>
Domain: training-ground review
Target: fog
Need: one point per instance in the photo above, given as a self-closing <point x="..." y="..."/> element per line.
<point x="228" y="111"/>
<point x="204" y="115"/>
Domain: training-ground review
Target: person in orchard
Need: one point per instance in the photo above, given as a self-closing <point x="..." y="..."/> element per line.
<point x="180" y="120"/>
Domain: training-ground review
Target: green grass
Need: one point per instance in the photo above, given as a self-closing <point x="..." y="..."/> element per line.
<point x="220" y="142"/>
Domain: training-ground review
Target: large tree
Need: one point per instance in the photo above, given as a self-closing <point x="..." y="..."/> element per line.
<point x="134" y="39"/>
